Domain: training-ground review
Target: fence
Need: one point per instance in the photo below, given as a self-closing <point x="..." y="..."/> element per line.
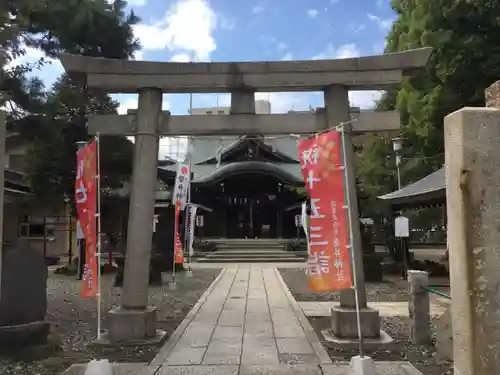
<point x="419" y="305"/>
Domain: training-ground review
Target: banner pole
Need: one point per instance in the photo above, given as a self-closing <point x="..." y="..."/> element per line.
<point x="176" y="229"/>
<point x="349" y="219"/>
<point x="187" y="224"/>
<point x="98" y="183"/>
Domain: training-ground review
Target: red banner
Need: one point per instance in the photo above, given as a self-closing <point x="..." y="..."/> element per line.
<point x="86" y="205"/>
<point x="178" y="251"/>
<point x="329" y="263"/>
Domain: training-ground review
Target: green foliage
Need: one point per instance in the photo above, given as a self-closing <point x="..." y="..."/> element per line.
<point x="466" y="60"/>
<point x="53" y="121"/>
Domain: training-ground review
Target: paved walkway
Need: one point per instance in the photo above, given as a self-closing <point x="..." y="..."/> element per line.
<point x="319" y="309"/>
<point x="246" y="323"/>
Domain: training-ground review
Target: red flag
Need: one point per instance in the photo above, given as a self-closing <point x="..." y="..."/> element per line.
<point x="86" y="205"/>
<point x="329" y="263"/>
<point x="178" y="251"/>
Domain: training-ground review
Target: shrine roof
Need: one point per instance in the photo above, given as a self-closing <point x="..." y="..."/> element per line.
<point x="203" y="172"/>
<point x="206" y="148"/>
<point x="430" y="189"/>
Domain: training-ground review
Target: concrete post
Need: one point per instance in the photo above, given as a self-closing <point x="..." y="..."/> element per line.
<point x="3" y="132"/>
<point x="242" y="103"/>
<point x="419" y="307"/>
<point x="343" y="318"/>
<point x="134" y="320"/>
<point x="492" y="95"/>
<point x="337" y="111"/>
<point x="472" y="141"/>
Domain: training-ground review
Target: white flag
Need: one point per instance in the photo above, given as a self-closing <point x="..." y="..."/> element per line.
<point x="305" y="226"/>
<point x="304" y="221"/>
<point x="182" y="180"/>
<point x="192" y="218"/>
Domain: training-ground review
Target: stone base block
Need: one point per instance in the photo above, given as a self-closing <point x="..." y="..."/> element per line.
<point x="333" y="341"/>
<point x="126" y="325"/>
<point x="118" y="369"/>
<point x="344" y="323"/>
<point x="362" y="366"/>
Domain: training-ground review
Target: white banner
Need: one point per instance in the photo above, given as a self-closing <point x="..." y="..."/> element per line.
<point x="182" y="180"/>
<point x="192" y="219"/>
<point x="304" y="221"/>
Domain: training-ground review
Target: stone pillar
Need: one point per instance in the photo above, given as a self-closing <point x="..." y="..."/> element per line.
<point x="135" y="320"/>
<point x="419" y="307"/>
<point x="3" y="132"/>
<point x="492" y="95"/>
<point x="242" y="103"/>
<point x="472" y="143"/>
<point x="344" y="323"/>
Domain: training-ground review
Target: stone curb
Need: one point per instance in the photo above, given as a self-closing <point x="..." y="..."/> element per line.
<point x="157" y="362"/>
<point x="311" y="336"/>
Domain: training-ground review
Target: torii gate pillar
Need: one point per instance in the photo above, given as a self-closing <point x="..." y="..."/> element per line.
<point x="134" y="319"/>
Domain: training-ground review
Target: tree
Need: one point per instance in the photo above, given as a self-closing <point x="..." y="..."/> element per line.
<point x="55" y="120"/>
<point x="466" y="59"/>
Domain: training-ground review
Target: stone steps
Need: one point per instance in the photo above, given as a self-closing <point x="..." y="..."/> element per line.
<point x="250" y="251"/>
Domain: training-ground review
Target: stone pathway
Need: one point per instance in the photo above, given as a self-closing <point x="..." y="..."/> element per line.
<point x="385" y="308"/>
<point x="248" y="323"/>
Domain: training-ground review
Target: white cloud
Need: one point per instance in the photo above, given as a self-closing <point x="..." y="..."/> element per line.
<point x="180" y="57"/>
<point x="132" y="3"/>
<point x="383" y="24"/>
<point x="313" y="13"/>
<point x="130" y="101"/>
<point x="187" y="27"/>
<point x="256" y="9"/>
<point x="381" y="4"/>
<point x="287" y="56"/>
<point x="343" y="52"/>
<point x="282" y="46"/>
<point x="364" y="99"/>
<point x="49" y="72"/>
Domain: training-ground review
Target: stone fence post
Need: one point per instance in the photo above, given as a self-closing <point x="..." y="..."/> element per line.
<point x="472" y="150"/>
<point x="419" y="307"/>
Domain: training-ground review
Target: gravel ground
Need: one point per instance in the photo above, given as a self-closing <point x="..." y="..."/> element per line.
<point x="74" y="321"/>
<point x="422" y="357"/>
<point x="296" y="280"/>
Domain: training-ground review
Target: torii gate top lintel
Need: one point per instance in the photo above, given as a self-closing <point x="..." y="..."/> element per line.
<point x="377" y="72"/>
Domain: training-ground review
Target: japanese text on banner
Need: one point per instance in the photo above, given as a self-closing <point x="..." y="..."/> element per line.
<point x="328" y="261"/>
<point x="178" y="251"/>
<point x="86" y="205"/>
<point x="182" y="180"/>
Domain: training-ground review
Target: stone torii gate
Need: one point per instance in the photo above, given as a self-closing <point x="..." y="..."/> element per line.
<point x="134" y="320"/>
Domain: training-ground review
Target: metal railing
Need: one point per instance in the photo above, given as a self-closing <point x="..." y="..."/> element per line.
<point x="431" y="289"/>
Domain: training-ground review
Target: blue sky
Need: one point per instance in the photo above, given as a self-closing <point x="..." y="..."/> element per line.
<point x="253" y="30"/>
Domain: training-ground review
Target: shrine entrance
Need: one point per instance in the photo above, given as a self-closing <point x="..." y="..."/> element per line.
<point x="248" y="204"/>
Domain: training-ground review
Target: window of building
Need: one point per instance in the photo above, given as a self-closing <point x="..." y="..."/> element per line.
<point x="38" y="226"/>
<point x="221" y="112"/>
<point x="210" y="113"/>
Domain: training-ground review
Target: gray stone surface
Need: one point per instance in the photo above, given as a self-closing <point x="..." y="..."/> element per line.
<point x="24" y="285"/>
<point x="256" y="324"/>
<point x="280" y="370"/>
<point x="125" y="325"/>
<point x="344" y="322"/>
<point x="444" y="336"/>
<point x="419" y="307"/>
<point x="382" y="368"/>
<point x="226" y="351"/>
<point x="472" y="143"/>
<point x="352" y="343"/>
<point x="119" y="76"/>
<point x="198" y="370"/>
<point x="118" y="369"/>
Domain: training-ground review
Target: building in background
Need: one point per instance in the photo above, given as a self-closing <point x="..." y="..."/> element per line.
<point x="262" y="107"/>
